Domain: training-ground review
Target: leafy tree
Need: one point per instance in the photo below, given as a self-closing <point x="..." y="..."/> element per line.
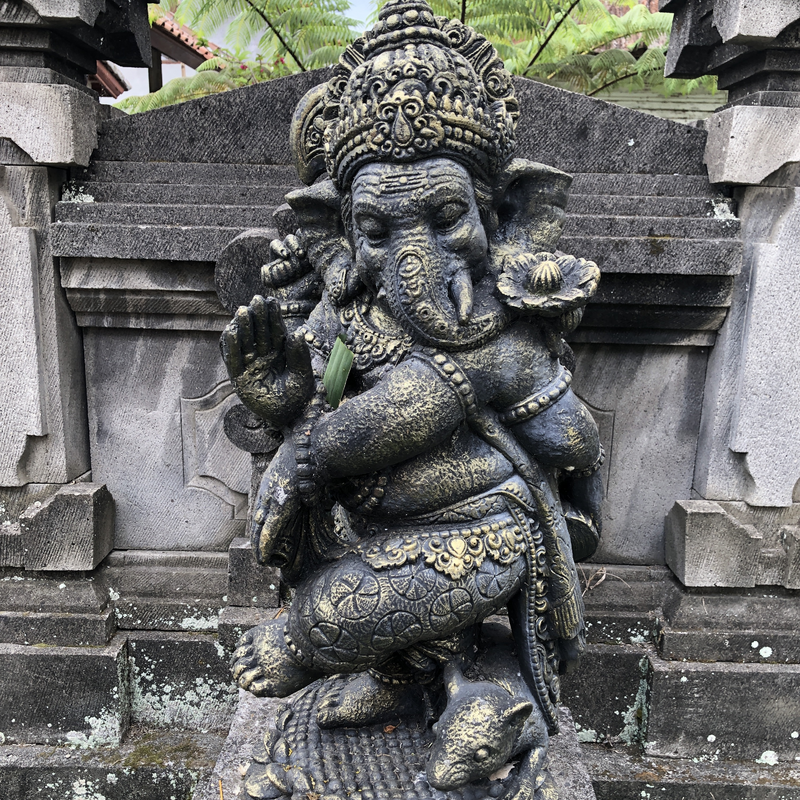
<point x="577" y="43"/>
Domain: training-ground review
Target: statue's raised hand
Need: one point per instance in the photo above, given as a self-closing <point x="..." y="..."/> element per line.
<point x="270" y="370"/>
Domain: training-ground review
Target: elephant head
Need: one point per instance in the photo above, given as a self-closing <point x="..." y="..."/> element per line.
<point x="427" y="240"/>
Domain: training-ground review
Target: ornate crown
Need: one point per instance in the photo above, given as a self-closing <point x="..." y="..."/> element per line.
<point x="414" y="86"/>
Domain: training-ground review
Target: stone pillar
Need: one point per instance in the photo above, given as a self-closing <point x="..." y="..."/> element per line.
<point x="48" y="123"/>
<point x="748" y="454"/>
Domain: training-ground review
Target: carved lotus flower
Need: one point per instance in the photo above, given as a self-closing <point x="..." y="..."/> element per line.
<point x="547" y="284"/>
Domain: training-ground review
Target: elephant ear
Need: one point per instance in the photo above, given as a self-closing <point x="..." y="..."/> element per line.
<point x="318" y="209"/>
<point x="530" y="199"/>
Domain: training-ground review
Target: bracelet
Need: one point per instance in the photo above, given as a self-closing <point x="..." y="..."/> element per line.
<point x="306" y="474"/>
<point x="536" y="403"/>
<point x="587" y="472"/>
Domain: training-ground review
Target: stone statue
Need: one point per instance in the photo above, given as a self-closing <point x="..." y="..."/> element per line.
<point x="457" y="476"/>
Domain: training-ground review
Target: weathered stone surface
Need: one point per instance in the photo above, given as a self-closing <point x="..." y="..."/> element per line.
<point x="608" y="693"/>
<point x="716" y="704"/>
<point x="169" y="193"/>
<point x="80" y="694"/>
<point x="748" y="626"/>
<point x="12" y="549"/>
<point x="234" y="621"/>
<point x="42" y="397"/>
<point x="642" y="395"/>
<point x="180" y="681"/>
<point x="748" y="143"/>
<point x="255" y="128"/>
<point x="149" y="765"/>
<point x="249" y="583"/>
<point x="166" y="591"/>
<point x="625" y="775"/>
<point x="54" y="628"/>
<point x="748" y="22"/>
<point x="55" y="125"/>
<point x="51" y="593"/>
<point x="705" y="546"/>
<point x="176" y="171"/>
<point x="172" y="392"/>
<point x="72" y="530"/>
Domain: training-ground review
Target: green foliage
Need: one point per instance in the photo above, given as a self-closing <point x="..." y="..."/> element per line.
<point x="574" y="43"/>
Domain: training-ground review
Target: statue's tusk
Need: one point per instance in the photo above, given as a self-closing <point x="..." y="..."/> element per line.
<point x="461" y="295"/>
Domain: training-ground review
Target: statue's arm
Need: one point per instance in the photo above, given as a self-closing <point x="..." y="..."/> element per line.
<point x="411" y="410"/>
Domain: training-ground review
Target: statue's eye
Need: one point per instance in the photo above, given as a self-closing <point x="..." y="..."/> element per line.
<point x="481" y="754"/>
<point x="449" y="215"/>
<point x="372" y="228"/>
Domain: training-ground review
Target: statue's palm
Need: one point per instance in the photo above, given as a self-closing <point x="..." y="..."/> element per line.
<point x="270" y="370"/>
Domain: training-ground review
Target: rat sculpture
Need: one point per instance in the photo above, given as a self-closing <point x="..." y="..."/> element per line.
<point x="457" y="474"/>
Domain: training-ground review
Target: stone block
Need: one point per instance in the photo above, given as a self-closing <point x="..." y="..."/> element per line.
<point x="52" y="628"/>
<point x="64" y="695"/>
<point x="754" y="22"/>
<point x="791" y="538"/>
<point x="625" y="775"/>
<point x="607" y="693"/>
<point x="51" y="593"/>
<point x="723" y="711"/>
<point x="706" y="546"/>
<point x="180" y="681"/>
<point x="748" y="143"/>
<point x="166" y="591"/>
<point x="55" y="125"/>
<point x="72" y="530"/>
<point x="234" y="621"/>
<point x="12" y="551"/>
<point x="250" y="583"/>
<point x="149" y="765"/>
<point x="193" y="495"/>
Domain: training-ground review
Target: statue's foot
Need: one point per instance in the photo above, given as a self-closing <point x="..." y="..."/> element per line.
<point x="364" y="700"/>
<point x="264" y="665"/>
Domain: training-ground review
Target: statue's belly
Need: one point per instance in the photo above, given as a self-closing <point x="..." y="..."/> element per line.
<point x="460" y="468"/>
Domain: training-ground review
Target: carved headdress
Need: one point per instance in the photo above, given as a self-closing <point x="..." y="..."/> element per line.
<point x="414" y="86"/>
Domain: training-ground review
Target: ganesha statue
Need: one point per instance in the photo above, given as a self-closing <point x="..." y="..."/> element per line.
<point x="446" y="472"/>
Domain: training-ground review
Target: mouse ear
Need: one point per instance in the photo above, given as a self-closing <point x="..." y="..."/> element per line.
<point x="516" y="715"/>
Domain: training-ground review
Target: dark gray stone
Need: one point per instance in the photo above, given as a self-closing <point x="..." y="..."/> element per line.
<point x="728" y="710"/>
<point x="180" y="681"/>
<point x="639" y="185"/>
<point x="650" y="227"/>
<point x="255" y="129"/>
<point x="591" y="135"/>
<point x="12" y="549"/>
<point x="72" y="530"/>
<point x="166" y="193"/>
<point x="176" y="172"/>
<point x="625" y="775"/>
<point x="80" y="695"/>
<point x="607" y="693"/>
<point x="51" y="593"/>
<point x="250" y="583"/>
<point x="149" y="765"/>
<point x="157" y="214"/>
<point x="624" y="205"/>
<point x="53" y="628"/>
<point x="235" y="621"/>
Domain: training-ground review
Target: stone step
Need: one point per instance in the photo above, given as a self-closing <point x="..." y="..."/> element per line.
<point x="187" y="173"/>
<point x="659" y="317"/>
<point x="168" y="215"/>
<point x="127" y="301"/>
<point x="151" y="764"/>
<point x="724" y="711"/>
<point x="657" y="256"/>
<point x="687" y="290"/>
<point x="651" y="227"/>
<point x="180" y="243"/>
<point x="640" y="185"/>
<point x="619" y="774"/>
<point x="177" y="194"/>
<point x="54" y="628"/>
<point x="64" y="695"/>
<point x="632" y="205"/>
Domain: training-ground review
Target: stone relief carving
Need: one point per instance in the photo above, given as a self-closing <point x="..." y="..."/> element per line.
<point x="435" y="467"/>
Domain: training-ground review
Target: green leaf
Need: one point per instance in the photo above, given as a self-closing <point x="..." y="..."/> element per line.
<point x="335" y="378"/>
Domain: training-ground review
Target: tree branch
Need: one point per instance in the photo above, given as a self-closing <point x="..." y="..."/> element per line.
<point x="277" y="33"/>
<point x="550" y="36"/>
<point x="617" y="80"/>
<point x="464" y="10"/>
